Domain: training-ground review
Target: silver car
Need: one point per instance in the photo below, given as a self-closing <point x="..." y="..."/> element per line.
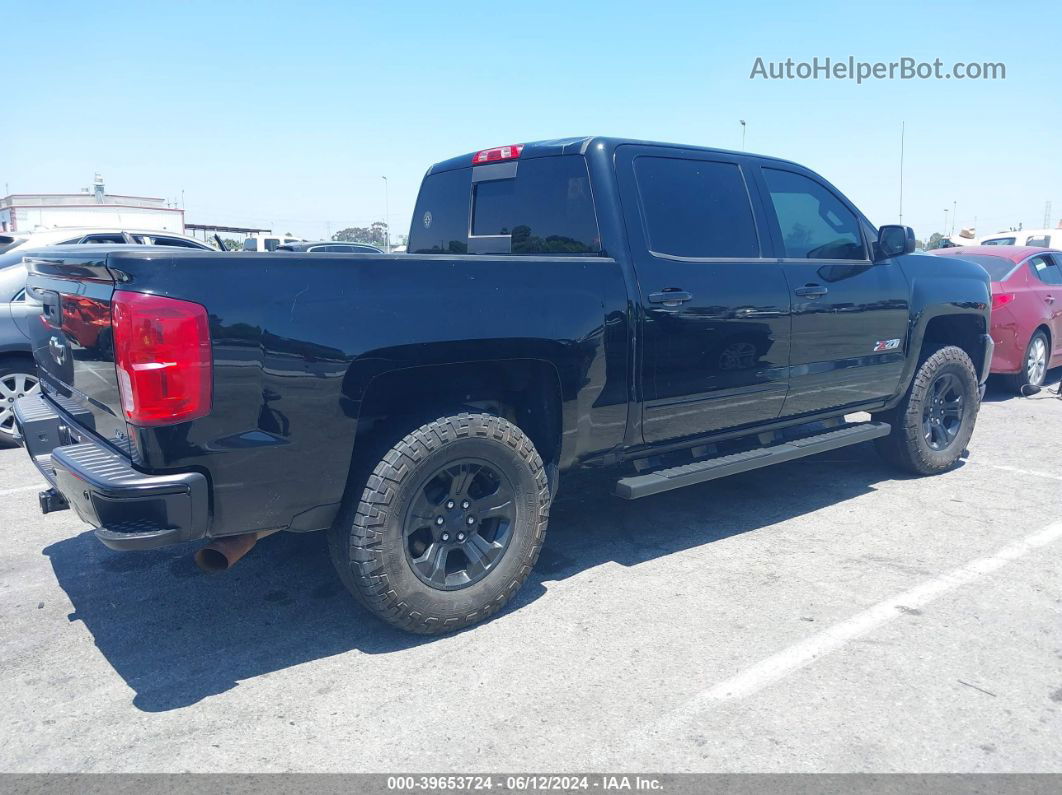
<point x="18" y="375"/>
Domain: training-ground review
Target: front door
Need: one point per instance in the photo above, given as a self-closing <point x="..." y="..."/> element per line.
<point x="714" y="309"/>
<point x="850" y="315"/>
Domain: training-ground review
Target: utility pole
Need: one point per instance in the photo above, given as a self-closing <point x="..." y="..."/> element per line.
<point x="1047" y="215"/>
<point x="954" y="215"/>
<point x="742" y="134"/>
<point x="903" y="124"/>
<point x="945" y="222"/>
<point x="387" y="216"/>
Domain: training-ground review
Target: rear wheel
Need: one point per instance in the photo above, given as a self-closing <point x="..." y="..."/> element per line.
<point x="1033" y="364"/>
<point x="934" y="422"/>
<point x="16" y="380"/>
<point x="448" y="525"/>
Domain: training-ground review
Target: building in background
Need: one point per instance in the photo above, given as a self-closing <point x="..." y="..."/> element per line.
<point x="24" y="212"/>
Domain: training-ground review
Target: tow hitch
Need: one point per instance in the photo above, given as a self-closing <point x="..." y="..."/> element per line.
<point x="51" y="500"/>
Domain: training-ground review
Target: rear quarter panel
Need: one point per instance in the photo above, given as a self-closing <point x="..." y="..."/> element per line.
<point x="298" y="339"/>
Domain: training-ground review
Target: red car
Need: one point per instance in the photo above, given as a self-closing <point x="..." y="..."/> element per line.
<point x="1026" y="308"/>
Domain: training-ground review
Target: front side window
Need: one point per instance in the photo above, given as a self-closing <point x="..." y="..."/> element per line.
<point x="695" y="208"/>
<point x="1042" y="241"/>
<point x="271" y="243"/>
<point x="813" y="222"/>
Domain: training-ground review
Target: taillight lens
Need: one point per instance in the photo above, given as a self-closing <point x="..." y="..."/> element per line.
<point x="1001" y="299"/>
<point x="498" y="153"/>
<point x="162" y="353"/>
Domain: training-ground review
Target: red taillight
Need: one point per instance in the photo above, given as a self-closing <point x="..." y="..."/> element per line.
<point x="1001" y="299"/>
<point x="498" y="153"/>
<point x="162" y="353"/>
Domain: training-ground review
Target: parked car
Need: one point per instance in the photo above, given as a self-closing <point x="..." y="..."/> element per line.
<point x="63" y="236"/>
<point x="330" y="247"/>
<point x="1026" y="308"/>
<point x="1044" y="238"/>
<point x="18" y="373"/>
<point x="267" y="242"/>
<point x="583" y="302"/>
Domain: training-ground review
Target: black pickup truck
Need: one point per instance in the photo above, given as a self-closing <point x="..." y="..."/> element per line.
<point x="688" y="312"/>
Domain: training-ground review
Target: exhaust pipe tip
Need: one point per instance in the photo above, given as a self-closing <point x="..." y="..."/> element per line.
<point x="224" y="553"/>
<point x="212" y="560"/>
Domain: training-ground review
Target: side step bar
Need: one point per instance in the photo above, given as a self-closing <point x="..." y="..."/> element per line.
<point x="644" y="485"/>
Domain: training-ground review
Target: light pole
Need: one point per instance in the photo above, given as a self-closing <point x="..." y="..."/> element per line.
<point x="903" y="125"/>
<point x="387" y="215"/>
<point x="954" y="215"/>
<point x="945" y="222"/>
<point x="742" y="134"/>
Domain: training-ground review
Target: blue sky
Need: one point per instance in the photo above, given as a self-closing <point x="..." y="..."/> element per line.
<point x="287" y="114"/>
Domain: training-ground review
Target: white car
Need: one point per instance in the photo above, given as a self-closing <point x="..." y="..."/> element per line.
<point x="1045" y="238"/>
<point x="56" y="236"/>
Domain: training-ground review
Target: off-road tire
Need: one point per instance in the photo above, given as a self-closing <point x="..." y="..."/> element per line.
<point x="905" y="446"/>
<point x="367" y="542"/>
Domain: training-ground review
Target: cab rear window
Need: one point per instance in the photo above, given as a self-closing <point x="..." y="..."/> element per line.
<point x="537" y="206"/>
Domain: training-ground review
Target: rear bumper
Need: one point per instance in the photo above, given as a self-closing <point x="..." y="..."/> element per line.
<point x="130" y="510"/>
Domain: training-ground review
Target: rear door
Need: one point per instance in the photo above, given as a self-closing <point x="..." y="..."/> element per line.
<point x="1047" y="284"/>
<point x="714" y="308"/>
<point x="850" y="315"/>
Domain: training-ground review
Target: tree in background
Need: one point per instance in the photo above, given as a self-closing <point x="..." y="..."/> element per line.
<point x="934" y="241"/>
<point x="232" y="245"/>
<point x="374" y="235"/>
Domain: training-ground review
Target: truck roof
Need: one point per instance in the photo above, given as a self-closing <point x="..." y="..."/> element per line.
<point x="580" y="145"/>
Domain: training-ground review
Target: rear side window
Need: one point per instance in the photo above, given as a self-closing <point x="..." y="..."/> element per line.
<point x="813" y="222"/>
<point x="696" y="208"/>
<point x="115" y="238"/>
<point x="174" y="241"/>
<point x="1043" y="241"/>
<point x="1045" y="270"/>
<point x="998" y="241"/>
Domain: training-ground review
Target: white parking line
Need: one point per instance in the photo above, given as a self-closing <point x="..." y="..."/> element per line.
<point x="805" y="652"/>
<point x="1035" y="473"/>
<point x="38" y="487"/>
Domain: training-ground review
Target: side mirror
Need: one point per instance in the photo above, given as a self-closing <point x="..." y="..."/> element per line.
<point x="894" y="240"/>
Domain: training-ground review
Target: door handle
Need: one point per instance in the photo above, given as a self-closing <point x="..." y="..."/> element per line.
<point x="811" y="291"/>
<point x="670" y="297"/>
<point x="1049" y="298"/>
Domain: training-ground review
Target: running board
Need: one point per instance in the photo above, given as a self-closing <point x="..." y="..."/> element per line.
<point x="644" y="485"/>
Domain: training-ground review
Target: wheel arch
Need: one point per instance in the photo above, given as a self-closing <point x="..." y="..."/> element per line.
<point x="527" y="392"/>
<point x="965" y="331"/>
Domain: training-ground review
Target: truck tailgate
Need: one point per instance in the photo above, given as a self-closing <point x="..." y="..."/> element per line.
<point x="73" y="342"/>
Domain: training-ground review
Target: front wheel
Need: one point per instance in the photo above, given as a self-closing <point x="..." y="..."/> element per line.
<point x="934" y="422"/>
<point x="448" y="527"/>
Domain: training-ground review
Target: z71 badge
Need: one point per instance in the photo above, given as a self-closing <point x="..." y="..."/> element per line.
<point x="886" y="345"/>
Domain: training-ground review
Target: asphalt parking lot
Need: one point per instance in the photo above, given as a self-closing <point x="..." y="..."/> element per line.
<point x="823" y="615"/>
